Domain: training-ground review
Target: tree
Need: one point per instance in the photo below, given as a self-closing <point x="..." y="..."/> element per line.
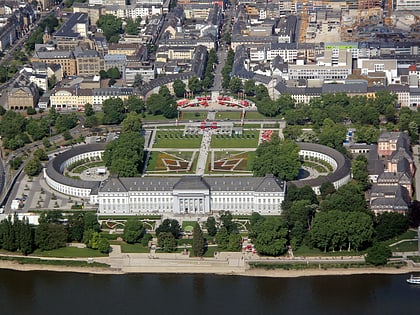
<point x="8" y="235"/>
<point x="25" y="236"/>
<point x="299" y="219"/>
<point x="222" y="238"/>
<point x="359" y="226"/>
<point x="12" y="124"/>
<point x="211" y="226"/>
<point x="41" y="155"/>
<point x="125" y="155"/>
<point x="249" y="87"/>
<point x="67" y="135"/>
<point x="261" y="92"/>
<point x="179" y="88"/>
<point x="113" y="73"/>
<point x="90" y="221"/>
<point x="170" y="110"/>
<point x="389" y="225"/>
<point x="75" y="227"/>
<point x="33" y="167"/>
<point x="360" y="172"/>
<point x="113" y="109"/>
<point x="132" y="27"/>
<point x="167" y="242"/>
<point x="104" y="246"/>
<point x="155" y="104"/>
<point x="227" y="221"/>
<point x="91" y="121"/>
<point x="111" y="26"/>
<point x="132" y="123"/>
<point x="169" y="225"/>
<point x="134" y="104"/>
<point x="267" y="107"/>
<point x="332" y="134"/>
<point x="66" y="122"/>
<point x="164" y="91"/>
<point x="50" y="236"/>
<point x="327" y="188"/>
<point x="133" y="231"/>
<point x="30" y="111"/>
<point x="15" y="163"/>
<point x="271" y="237"/>
<point x="323" y="229"/>
<point x="194" y="85"/>
<point x="347" y="198"/>
<point x="235" y="85"/>
<point x="198" y="245"/>
<point x="280" y="158"/>
<point x="89" y="111"/>
<point x="378" y="254"/>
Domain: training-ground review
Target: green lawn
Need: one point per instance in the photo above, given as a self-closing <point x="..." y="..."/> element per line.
<point x="175" y="139"/>
<point x="248" y="140"/>
<point x="188" y="223"/>
<point x="252" y="126"/>
<point x="193" y="115"/>
<point x="134" y="248"/>
<point x="67" y="252"/>
<point x="157" y="117"/>
<point x="251" y="115"/>
<point x="151" y="166"/>
<point x="409" y="235"/>
<point x="251" y="158"/>
<point x="211" y="250"/>
<point x="229" y="115"/>
<point x="409" y="246"/>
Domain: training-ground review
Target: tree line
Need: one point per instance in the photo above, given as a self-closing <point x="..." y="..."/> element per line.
<point x="53" y="232"/>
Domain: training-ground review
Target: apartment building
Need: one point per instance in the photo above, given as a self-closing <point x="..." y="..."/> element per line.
<point x="88" y="62"/>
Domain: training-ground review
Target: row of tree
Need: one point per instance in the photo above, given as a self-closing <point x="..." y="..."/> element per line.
<point x="17" y="131"/>
<point x="52" y="232"/>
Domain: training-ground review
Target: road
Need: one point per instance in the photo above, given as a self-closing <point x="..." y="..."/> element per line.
<point x="4" y="163"/>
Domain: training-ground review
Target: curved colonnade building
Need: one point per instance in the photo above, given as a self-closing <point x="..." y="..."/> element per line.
<point x="188" y="194"/>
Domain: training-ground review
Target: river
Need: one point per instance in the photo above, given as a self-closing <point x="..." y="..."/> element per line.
<point x="73" y="293"/>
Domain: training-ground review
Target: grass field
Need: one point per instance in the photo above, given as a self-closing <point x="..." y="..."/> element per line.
<point x="134" y="248"/>
<point x="249" y="139"/>
<point x="66" y="252"/>
<point x="157" y="117"/>
<point x="193" y="115"/>
<point x="409" y="246"/>
<point x="229" y="115"/>
<point x="175" y="139"/>
<point x="409" y="235"/>
<point x="257" y="116"/>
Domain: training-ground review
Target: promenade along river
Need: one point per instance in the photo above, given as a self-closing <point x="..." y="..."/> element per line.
<point x="72" y="293"/>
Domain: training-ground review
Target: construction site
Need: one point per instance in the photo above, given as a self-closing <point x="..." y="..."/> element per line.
<point x="358" y="21"/>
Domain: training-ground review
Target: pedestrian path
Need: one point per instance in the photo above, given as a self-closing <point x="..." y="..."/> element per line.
<point x="204" y="152"/>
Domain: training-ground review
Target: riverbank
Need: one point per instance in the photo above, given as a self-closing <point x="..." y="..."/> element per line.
<point x="275" y="273"/>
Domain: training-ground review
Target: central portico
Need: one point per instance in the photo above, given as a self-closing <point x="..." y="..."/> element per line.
<point x="191" y="195"/>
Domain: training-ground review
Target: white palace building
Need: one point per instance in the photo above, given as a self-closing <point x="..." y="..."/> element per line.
<point x="191" y="195"/>
<point x="187" y="194"/>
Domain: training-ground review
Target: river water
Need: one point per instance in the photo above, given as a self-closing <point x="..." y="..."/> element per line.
<point x="72" y="293"/>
